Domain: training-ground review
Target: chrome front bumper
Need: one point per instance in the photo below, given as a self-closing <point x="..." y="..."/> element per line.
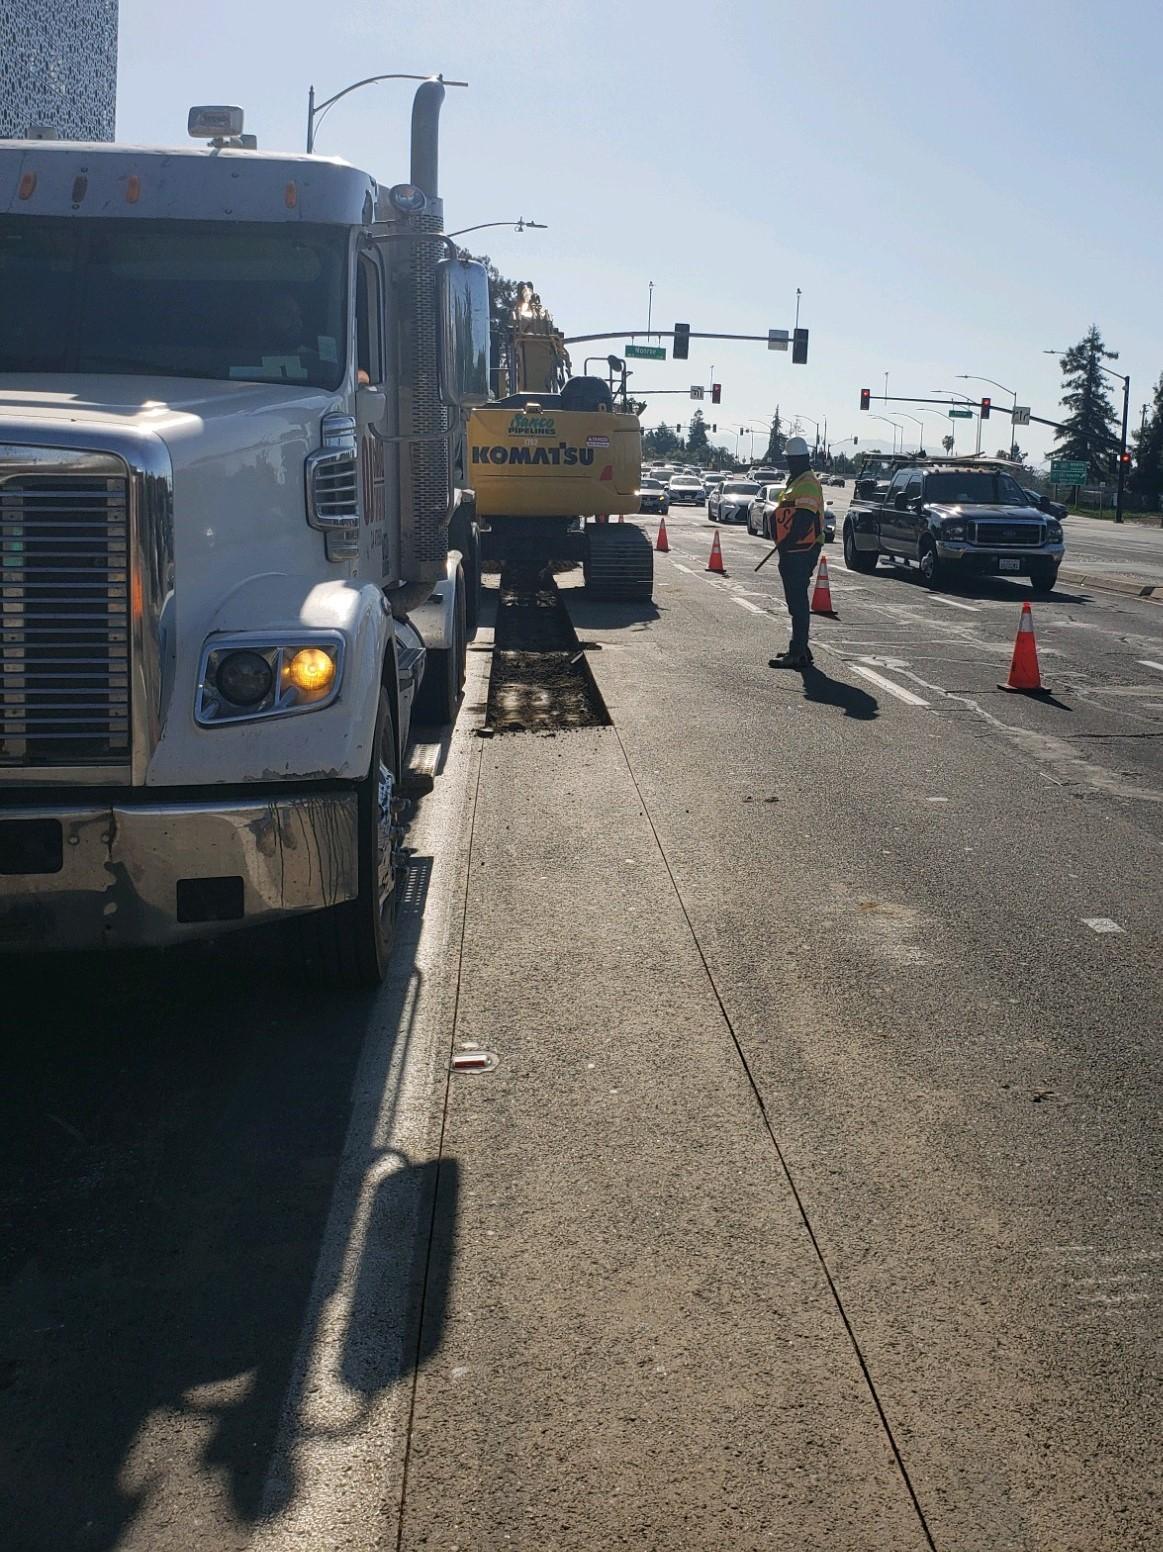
<point x="93" y="876"/>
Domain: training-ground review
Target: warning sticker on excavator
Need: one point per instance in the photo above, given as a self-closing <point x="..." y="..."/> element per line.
<point x="597" y="441"/>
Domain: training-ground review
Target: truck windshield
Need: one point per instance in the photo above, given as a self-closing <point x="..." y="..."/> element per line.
<point x="977" y="488"/>
<point x="226" y="300"/>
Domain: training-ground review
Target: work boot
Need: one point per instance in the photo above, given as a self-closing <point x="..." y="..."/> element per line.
<point x="790" y="659"/>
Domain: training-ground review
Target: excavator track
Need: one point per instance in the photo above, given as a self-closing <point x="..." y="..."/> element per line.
<point x="619" y="562"/>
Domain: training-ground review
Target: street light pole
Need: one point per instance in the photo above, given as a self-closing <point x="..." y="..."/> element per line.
<point x="314" y="112"/>
<point x="974" y="378"/>
<point x="649" y="309"/>
<point x="1123" y="450"/>
<point x="967" y="400"/>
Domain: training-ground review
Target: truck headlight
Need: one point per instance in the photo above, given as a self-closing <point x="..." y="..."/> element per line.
<point x="953" y="530"/>
<point x="243" y="678"/>
<point x="1053" y="531"/>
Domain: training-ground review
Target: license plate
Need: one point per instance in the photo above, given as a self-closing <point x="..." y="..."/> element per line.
<point x="1009" y="565"/>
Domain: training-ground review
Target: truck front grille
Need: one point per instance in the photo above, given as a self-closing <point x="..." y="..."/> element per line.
<point x="64" y="620"/>
<point x="1005" y="535"/>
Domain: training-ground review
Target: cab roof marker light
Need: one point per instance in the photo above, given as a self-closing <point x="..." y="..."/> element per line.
<point x="27" y="186"/>
<point x="132" y="189"/>
<point x="291" y="196"/>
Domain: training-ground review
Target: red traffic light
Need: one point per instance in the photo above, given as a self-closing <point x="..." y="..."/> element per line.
<point x="865" y="396"/>
<point x="985" y="403"/>
<point x="716" y="392"/>
<point x="1124" y="457"/>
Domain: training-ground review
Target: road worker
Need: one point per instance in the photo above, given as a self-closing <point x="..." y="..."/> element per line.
<point x="798" y="534"/>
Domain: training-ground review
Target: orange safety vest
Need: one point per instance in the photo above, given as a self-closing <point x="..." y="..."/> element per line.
<point x="799" y="514"/>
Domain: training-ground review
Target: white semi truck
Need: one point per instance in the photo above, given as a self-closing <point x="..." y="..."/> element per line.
<point x="237" y="555"/>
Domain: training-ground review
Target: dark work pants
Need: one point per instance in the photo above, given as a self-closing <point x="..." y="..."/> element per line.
<point x="795" y="570"/>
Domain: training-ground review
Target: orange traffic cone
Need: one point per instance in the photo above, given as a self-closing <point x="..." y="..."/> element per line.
<point x="1025" y="679"/>
<point x="822" y="595"/>
<point x="715" y="563"/>
<point x="662" y="542"/>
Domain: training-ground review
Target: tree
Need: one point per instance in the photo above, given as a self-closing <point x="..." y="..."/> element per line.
<point x="1088" y="433"/>
<point x="775" y="439"/>
<point x="1148" y="480"/>
<point x="697" y="442"/>
<point x="659" y="442"/>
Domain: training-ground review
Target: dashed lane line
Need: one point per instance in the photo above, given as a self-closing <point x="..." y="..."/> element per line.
<point x="745" y="603"/>
<point x="887" y="684"/>
<point x="953" y="604"/>
<point x="1145" y="662"/>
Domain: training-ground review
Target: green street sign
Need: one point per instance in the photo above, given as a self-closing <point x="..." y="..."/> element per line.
<point x="960" y="414"/>
<point x="1072" y="472"/>
<point x="646" y="352"/>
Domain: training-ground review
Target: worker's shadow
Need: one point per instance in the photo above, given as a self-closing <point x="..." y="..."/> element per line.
<point x="853" y="701"/>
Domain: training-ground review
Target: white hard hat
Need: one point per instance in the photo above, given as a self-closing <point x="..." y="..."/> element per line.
<point x="796" y="447"/>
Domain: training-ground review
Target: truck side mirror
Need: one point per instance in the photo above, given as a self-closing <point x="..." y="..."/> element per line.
<point x="463" y="301"/>
<point x="901" y="501"/>
<point x="866" y="487"/>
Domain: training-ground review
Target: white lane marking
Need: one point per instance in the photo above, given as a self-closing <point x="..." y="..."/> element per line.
<point x="938" y="800"/>
<point x="678" y="566"/>
<point x="953" y="604"/>
<point x="1145" y="662"/>
<point x="1101" y="924"/>
<point x="745" y="603"/>
<point x="886" y="684"/>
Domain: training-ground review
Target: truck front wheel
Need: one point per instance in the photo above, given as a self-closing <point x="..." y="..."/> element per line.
<point x="863" y="561"/>
<point x="348" y="946"/>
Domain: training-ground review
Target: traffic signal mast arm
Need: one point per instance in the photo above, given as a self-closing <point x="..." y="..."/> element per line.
<point x="972" y="404"/>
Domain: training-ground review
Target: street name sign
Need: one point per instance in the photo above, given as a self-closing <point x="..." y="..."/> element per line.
<point x="1068" y="472"/>
<point x="646" y="352"/>
<point x="960" y="414"/>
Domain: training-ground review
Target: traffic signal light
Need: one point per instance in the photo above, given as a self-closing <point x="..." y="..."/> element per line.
<point x="985" y="409"/>
<point x="799" y="347"/>
<point x="681" y="348"/>
<point x="742" y="432"/>
<point x="855" y="441"/>
<point x="1124" y="457"/>
<point x="714" y="428"/>
<point x="716" y="393"/>
<point x="865" y="397"/>
<point x="678" y="429"/>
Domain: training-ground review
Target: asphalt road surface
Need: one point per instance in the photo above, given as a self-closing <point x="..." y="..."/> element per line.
<point x="802" y="1189"/>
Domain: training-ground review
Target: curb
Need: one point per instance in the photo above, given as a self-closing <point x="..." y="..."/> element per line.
<point x="1149" y="590"/>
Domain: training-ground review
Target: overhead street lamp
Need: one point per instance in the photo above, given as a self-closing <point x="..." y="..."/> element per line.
<point x="974" y="378"/>
<point x="895" y="429"/>
<point x="519" y="225"/>
<point x="919" y="422"/>
<point x="965" y="399"/>
<point x="1125" y="379"/>
<point x="317" y="112"/>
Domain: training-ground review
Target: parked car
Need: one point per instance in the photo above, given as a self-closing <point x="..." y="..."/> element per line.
<point x="653" y="496"/>
<point x="688" y="489"/>
<point x="1046" y="504"/>
<point x="948" y="519"/>
<point x="729" y="503"/>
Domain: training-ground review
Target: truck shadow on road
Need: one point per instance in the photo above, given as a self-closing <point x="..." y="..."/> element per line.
<point x="171" y="1133"/>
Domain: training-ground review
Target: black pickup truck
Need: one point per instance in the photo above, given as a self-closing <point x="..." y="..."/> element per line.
<point x="950" y="519"/>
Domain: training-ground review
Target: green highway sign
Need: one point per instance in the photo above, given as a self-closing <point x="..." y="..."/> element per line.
<point x="1068" y="473"/>
<point x="960" y="414"/>
<point x="646" y="352"/>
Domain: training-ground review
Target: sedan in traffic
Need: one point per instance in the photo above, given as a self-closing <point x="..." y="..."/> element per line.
<point x="685" y="488"/>
<point x="734" y="498"/>
<point x="652" y="496"/>
<point x="761" y="510"/>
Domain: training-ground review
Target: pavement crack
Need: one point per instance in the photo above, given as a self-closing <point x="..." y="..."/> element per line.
<point x="784" y="1166"/>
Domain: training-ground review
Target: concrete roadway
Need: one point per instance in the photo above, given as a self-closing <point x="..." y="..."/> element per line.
<point x="807" y="1194"/>
<point x="1099" y="549"/>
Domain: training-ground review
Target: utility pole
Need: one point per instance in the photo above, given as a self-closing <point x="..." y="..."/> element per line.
<point x="649" y="309"/>
<point x="1123" y="450"/>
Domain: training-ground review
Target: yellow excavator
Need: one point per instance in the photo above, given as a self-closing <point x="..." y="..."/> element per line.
<point x="552" y="460"/>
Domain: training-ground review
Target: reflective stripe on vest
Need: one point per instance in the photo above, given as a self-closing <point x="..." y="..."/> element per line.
<point x="803" y="494"/>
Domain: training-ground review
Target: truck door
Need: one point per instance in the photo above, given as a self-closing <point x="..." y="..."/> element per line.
<point x="892" y="516"/>
<point x="913" y="522"/>
<point x="376" y="560"/>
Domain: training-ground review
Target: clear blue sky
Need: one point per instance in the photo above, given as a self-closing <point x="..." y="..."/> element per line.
<point x="954" y="186"/>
